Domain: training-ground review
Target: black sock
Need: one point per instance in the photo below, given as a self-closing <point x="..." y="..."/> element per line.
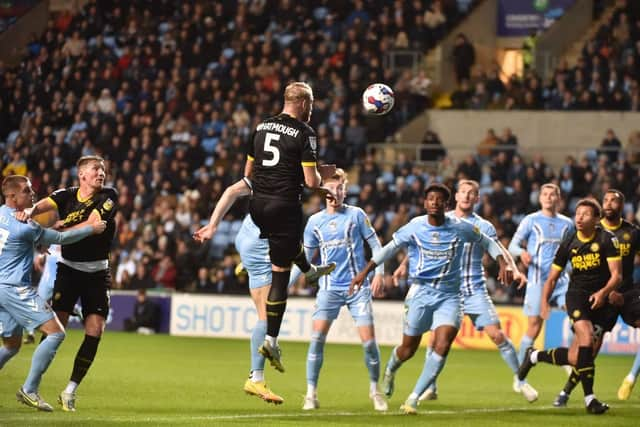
<point x="586" y="369"/>
<point x="277" y="301"/>
<point x="555" y="356"/>
<point x="301" y="261"/>
<point x="572" y="382"/>
<point x="84" y="358"/>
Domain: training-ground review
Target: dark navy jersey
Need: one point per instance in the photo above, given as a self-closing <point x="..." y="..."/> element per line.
<point x="588" y="259"/>
<point x="279" y="148"/>
<point x="72" y="210"/>
<point x="628" y="236"/>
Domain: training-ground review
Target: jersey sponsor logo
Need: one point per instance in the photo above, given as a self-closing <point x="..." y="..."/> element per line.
<point x="333" y="226"/>
<point x="108" y="205"/>
<point x="280" y="128"/>
<point x="73" y="217"/>
<point x="625" y="249"/>
<point x="616" y="243"/>
<point x="431" y="253"/>
<point x="585" y="262"/>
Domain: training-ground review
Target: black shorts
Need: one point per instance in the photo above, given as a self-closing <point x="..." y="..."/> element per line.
<point x="91" y="288"/>
<point x="280" y="222"/>
<point x="630" y="311"/>
<point x="579" y="308"/>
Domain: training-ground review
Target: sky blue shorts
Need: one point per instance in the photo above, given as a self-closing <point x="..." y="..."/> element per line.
<point x="427" y="308"/>
<point x="21" y="307"/>
<point x="480" y="309"/>
<point x="329" y="303"/>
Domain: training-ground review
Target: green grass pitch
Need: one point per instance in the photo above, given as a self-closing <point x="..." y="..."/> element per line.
<point x="173" y="381"/>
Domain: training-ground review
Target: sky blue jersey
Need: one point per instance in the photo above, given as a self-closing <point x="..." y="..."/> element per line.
<point x="17" y="245"/>
<point x="435" y="252"/>
<point x="472" y="270"/>
<point x="543" y="235"/>
<point x="17" y="242"/>
<point x="340" y="238"/>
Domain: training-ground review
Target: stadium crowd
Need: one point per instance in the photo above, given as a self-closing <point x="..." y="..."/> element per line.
<point x="169" y="92"/>
<point x="605" y="77"/>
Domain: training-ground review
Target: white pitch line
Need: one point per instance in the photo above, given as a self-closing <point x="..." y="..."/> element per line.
<point x="179" y="418"/>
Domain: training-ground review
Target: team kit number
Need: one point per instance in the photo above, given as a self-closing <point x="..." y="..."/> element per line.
<point x="271" y="137"/>
<point x="4" y="235"/>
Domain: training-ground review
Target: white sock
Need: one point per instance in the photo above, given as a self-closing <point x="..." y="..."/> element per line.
<point x="631" y="378"/>
<point x="272" y="340"/>
<point x="413" y="396"/>
<point x="311" y="390"/>
<point x="589" y="398"/>
<point x="71" y="387"/>
<point x="257" y="375"/>
<point x="534" y="357"/>
<point x="373" y="388"/>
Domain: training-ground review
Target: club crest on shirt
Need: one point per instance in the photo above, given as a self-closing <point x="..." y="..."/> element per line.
<point x="595" y="247"/>
<point x="108" y="205"/>
<point x="333" y="226"/>
<point x="435" y="236"/>
<point x="626" y="237"/>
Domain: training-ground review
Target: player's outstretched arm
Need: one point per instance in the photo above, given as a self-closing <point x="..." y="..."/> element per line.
<point x="228" y="198"/>
<point x="517" y="275"/>
<point x="401" y="272"/>
<point x="496" y="250"/>
<point x="53" y="237"/>
<point x="43" y="206"/>
<point x="379" y="258"/>
<point x="547" y="290"/>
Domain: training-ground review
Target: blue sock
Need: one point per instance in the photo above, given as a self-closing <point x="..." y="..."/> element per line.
<point x="315" y="357"/>
<point x="394" y="363"/>
<point x="635" y="369"/>
<point x="525" y="343"/>
<point x="432" y="367"/>
<point x="42" y="357"/>
<point x="433" y="385"/>
<point x="6" y="354"/>
<point x="257" y="338"/>
<point x="508" y="353"/>
<point x="372" y="359"/>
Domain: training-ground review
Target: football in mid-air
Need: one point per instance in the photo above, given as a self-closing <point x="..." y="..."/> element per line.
<point x="378" y="99"/>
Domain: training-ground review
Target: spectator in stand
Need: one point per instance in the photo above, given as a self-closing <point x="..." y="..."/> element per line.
<point x="464" y="56"/>
<point x="487" y="145"/>
<point x="435" y="151"/>
<point x="469" y="169"/>
<point x="164" y="273"/>
<point x="203" y="283"/>
<point x="610" y="146"/>
<point x="633" y="148"/>
<point x="141" y="279"/>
